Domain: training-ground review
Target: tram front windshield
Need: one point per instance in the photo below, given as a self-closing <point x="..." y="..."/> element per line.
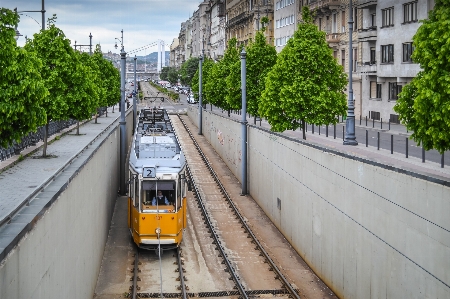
<point x="159" y="193"/>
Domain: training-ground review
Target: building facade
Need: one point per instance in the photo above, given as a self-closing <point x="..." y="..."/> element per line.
<point x="243" y="19"/>
<point x="285" y="22"/>
<point x="385" y="64"/>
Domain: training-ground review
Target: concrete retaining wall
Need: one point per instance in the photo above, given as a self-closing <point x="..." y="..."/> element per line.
<point x="60" y="256"/>
<point x="366" y="229"/>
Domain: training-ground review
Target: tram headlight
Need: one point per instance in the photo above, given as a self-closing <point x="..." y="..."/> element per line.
<point x="158" y="230"/>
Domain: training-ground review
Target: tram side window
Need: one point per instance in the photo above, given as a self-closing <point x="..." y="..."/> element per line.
<point x="136" y="193"/>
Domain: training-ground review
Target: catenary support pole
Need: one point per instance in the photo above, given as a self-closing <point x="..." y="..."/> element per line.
<point x="122" y="122"/>
<point x="244" y="121"/>
<point x="90" y="44"/>
<point x="350" y="137"/>
<point x="134" y="96"/>
<point x="200" y="91"/>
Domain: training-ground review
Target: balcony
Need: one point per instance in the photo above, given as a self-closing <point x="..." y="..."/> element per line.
<point x="367" y="67"/>
<point x="333" y="39"/>
<point x="367" y="34"/>
<point x="366" y="3"/>
<point x="324" y="5"/>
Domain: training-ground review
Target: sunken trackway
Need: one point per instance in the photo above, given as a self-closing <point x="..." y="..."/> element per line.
<point x="250" y="266"/>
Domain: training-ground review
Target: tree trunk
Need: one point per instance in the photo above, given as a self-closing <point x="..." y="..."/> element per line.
<point x="254" y="120"/>
<point x="44" y="150"/>
<point x="106" y="111"/>
<point x="113" y="109"/>
<point x="228" y="112"/>
<point x="96" y="115"/>
<point x="303" y="129"/>
<point x="78" y="127"/>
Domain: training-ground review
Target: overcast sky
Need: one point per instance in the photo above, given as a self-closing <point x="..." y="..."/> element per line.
<point x="143" y="21"/>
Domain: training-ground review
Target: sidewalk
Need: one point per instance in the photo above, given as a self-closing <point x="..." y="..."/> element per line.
<point x="19" y="179"/>
<point x="413" y="165"/>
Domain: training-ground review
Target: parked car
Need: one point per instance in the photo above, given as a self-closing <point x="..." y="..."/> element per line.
<point x="191" y="99"/>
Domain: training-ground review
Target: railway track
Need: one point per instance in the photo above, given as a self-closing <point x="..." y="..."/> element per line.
<point x="286" y="287"/>
<point x="135" y="288"/>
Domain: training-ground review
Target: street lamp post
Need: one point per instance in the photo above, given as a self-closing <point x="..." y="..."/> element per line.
<point x="122" y="123"/>
<point x="134" y="95"/>
<point x="200" y="88"/>
<point x="244" y="121"/>
<point x="350" y="137"/>
<point x="41" y="11"/>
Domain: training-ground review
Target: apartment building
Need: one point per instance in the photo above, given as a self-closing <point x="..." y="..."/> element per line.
<point x="332" y="16"/>
<point x="385" y="63"/>
<point x="243" y="19"/>
<point x="173" y="52"/>
<point x="216" y="39"/>
<point x="285" y="22"/>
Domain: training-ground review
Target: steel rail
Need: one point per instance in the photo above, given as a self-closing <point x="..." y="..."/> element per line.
<point x="216" y="238"/>
<point x="180" y="270"/>
<point x="135" y="274"/>
<point x="280" y="276"/>
<point x="26" y="202"/>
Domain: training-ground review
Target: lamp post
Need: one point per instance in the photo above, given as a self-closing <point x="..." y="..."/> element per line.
<point x="134" y="95"/>
<point x="200" y="87"/>
<point x="122" y="123"/>
<point x="41" y="11"/>
<point x="350" y="137"/>
<point x="244" y="121"/>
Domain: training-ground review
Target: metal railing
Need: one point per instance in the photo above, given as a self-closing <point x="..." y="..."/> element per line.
<point x="32" y="138"/>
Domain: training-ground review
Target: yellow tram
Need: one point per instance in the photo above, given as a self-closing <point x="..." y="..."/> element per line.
<point x="157" y="192"/>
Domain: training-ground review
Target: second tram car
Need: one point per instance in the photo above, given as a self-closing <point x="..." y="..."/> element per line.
<point x="157" y="192"/>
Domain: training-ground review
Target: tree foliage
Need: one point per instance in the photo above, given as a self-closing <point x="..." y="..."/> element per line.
<point x="109" y="78"/>
<point x="86" y="89"/>
<point x="306" y="84"/>
<point x="260" y="59"/>
<point x="59" y="71"/>
<point x="207" y="64"/>
<point x="424" y="104"/>
<point x="22" y="89"/>
<point x="172" y="75"/>
<point x="216" y="87"/>
<point x="188" y="70"/>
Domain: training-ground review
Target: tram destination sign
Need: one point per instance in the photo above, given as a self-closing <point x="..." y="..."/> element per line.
<point x="149" y="172"/>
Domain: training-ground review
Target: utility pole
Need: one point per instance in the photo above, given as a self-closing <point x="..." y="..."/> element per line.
<point x="200" y="88"/>
<point x="350" y="137"/>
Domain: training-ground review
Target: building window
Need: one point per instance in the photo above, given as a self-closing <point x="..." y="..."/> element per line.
<point x="408" y="49"/>
<point x="355" y="59"/>
<point x="394" y="118"/>
<point x="343" y="20"/>
<point x="387" y="54"/>
<point x="387" y="17"/>
<point x="394" y="90"/>
<point x="373" y="20"/>
<point x="333" y="24"/>
<point x="320" y="23"/>
<point x="343" y="58"/>
<point x="373" y="59"/>
<point x="374" y="115"/>
<point x="375" y="90"/>
<point x="355" y="19"/>
<point x="410" y="12"/>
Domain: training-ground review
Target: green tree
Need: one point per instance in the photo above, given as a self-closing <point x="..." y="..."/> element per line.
<point x="206" y="69"/>
<point x="306" y="84"/>
<point x="216" y="86"/>
<point x="424" y="104"/>
<point x="58" y="71"/>
<point x="110" y="78"/>
<point x="86" y="89"/>
<point x="188" y="70"/>
<point x="260" y="59"/>
<point x="22" y="89"/>
<point x="172" y="75"/>
<point x="164" y="73"/>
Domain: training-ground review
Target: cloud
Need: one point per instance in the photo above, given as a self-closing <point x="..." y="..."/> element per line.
<point x="143" y="21"/>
